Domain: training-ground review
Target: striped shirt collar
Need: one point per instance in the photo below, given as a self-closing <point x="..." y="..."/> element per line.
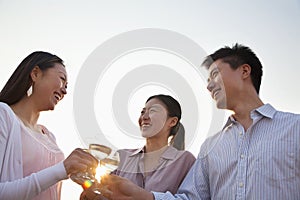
<point x="265" y="110"/>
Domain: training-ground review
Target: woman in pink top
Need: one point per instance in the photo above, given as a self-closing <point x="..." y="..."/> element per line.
<point x="157" y="166"/>
<point x="31" y="164"/>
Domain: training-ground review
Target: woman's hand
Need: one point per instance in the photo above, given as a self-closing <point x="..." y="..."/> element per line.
<point x="118" y="188"/>
<point x="89" y="194"/>
<point x="79" y="161"/>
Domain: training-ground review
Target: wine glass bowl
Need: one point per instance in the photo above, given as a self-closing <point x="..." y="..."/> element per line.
<point x="110" y="163"/>
<point x="99" y="151"/>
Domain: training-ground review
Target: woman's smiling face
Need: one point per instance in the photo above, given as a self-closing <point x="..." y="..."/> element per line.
<point x="153" y="118"/>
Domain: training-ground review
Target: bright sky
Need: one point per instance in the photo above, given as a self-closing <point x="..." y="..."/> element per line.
<point x="74" y="30"/>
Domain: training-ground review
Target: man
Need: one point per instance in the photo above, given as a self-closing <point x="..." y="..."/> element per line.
<point x="257" y="153"/>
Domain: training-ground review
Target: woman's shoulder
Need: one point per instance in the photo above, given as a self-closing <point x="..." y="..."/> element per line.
<point x="182" y="154"/>
<point x="181" y="158"/>
<point x="6" y="112"/>
<point x="5" y="108"/>
<point x="188" y="156"/>
<point x="8" y="119"/>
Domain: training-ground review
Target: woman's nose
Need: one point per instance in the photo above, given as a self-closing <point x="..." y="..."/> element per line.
<point x="210" y="85"/>
<point x="145" y="115"/>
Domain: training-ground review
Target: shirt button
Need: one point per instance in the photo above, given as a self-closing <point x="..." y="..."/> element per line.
<point x="242" y="156"/>
<point x="240" y="133"/>
<point x="241" y="184"/>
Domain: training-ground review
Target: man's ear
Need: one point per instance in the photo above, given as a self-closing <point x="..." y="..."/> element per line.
<point x="246" y="70"/>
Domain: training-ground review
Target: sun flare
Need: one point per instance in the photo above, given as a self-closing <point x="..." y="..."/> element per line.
<point x="100" y="171"/>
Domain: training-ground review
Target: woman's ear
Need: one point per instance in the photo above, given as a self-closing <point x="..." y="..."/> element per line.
<point x="35" y="73"/>
<point x="173" y="121"/>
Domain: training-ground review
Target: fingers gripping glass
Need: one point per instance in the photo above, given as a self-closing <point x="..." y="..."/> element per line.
<point x="87" y="178"/>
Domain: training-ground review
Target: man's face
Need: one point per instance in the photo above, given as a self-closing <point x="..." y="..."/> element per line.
<point x="222" y="84"/>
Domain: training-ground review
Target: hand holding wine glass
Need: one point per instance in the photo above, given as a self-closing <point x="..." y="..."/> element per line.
<point x="88" y="174"/>
<point x="86" y="178"/>
<point x="78" y="162"/>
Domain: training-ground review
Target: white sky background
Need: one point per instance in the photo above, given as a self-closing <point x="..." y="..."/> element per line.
<point x="73" y="29"/>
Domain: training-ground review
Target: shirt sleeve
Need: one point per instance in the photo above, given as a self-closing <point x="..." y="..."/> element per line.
<point x="168" y="196"/>
<point x="194" y="186"/>
<point x="30" y="186"/>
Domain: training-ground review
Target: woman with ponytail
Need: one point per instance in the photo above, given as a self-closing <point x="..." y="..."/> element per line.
<point x="157" y="166"/>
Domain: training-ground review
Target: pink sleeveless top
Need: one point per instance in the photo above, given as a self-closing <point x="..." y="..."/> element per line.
<point x="40" y="151"/>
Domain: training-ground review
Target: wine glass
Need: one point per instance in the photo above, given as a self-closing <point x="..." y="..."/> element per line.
<point x="111" y="162"/>
<point x="86" y="179"/>
<point x="99" y="151"/>
<point x="108" y="165"/>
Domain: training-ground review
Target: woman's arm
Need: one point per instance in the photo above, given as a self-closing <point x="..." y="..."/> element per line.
<point x="30" y="186"/>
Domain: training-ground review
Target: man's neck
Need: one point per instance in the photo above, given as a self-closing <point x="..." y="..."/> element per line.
<point x="242" y="111"/>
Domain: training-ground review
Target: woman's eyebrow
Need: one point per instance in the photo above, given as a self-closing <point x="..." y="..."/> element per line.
<point x="156" y="106"/>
